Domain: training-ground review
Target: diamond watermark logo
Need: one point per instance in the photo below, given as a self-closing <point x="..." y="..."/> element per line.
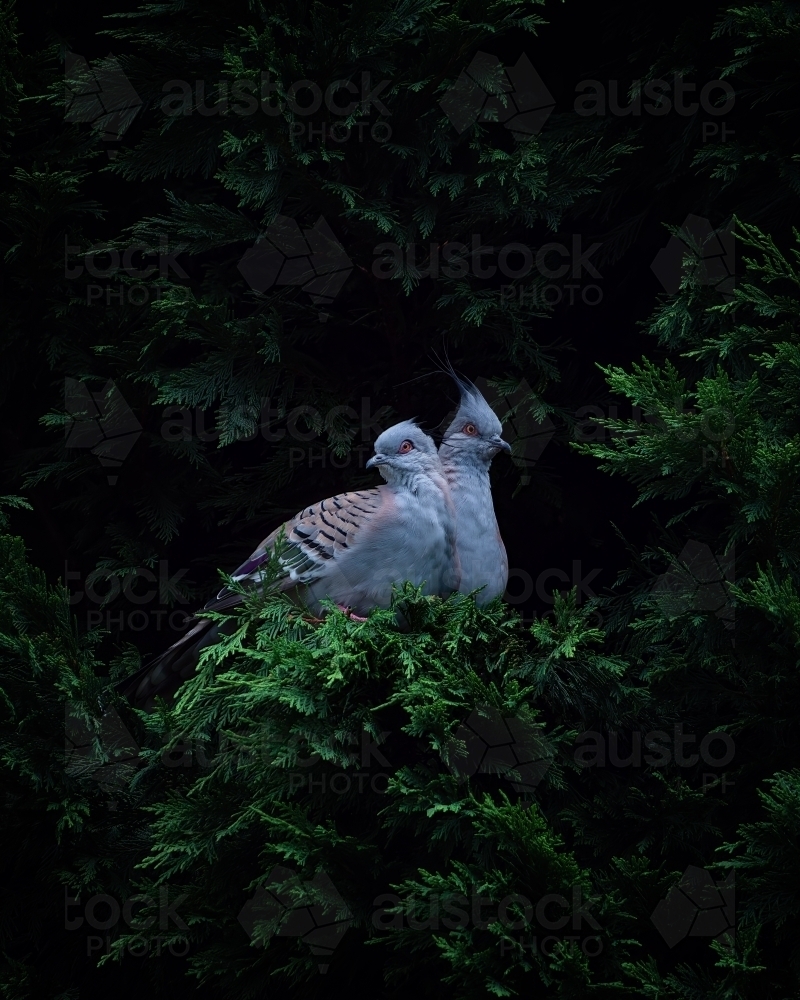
<point x="313" y="911"/>
<point x="712" y="252"/>
<point x="490" y="743"/>
<point x="101" y="421"/>
<point x="288" y="255"/>
<point x="697" y="907"/>
<point x="101" y="95"/>
<point x="698" y="580"/>
<point x="487" y="91"/>
<point x="527" y="434"/>
<point x="104" y="749"/>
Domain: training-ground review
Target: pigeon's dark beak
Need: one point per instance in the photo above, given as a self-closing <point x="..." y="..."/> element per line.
<point x="502" y="445"/>
<point x="376" y="460"/>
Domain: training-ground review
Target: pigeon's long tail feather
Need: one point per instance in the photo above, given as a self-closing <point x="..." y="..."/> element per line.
<point x="164" y="675"/>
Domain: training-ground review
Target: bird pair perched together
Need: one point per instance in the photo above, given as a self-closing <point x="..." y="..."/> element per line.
<point x="432" y="524"/>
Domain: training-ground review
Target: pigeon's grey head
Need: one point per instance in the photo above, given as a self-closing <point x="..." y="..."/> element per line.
<point x="403" y="451"/>
<point x="476" y="433"/>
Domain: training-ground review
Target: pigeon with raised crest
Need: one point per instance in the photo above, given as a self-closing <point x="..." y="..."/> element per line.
<point x="469" y="444"/>
<point x="350" y="549"/>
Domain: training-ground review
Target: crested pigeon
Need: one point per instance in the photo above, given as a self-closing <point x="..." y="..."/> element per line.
<point x="350" y="549"/>
<point x="469" y="444"/>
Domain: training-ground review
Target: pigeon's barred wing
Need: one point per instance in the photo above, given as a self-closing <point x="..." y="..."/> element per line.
<point x="314" y="536"/>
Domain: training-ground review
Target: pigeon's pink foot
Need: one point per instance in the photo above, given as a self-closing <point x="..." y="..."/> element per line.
<point x="349" y="613"/>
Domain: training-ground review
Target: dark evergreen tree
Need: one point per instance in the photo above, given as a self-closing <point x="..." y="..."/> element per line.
<point x="339" y="775"/>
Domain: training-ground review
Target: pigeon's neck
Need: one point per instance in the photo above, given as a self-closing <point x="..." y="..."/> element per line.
<point x="420" y="483"/>
<point x="471" y="490"/>
<point x="473" y="480"/>
<point x="465" y="472"/>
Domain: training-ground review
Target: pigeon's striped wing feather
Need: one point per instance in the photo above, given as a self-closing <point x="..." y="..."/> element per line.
<point x="316" y="535"/>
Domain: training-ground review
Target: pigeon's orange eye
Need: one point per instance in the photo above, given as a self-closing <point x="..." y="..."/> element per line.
<point x="405" y="448"/>
<point x="470" y="429"/>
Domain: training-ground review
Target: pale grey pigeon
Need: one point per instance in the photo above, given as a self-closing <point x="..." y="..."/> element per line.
<point x="470" y="443"/>
<point x="350" y="549"/>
